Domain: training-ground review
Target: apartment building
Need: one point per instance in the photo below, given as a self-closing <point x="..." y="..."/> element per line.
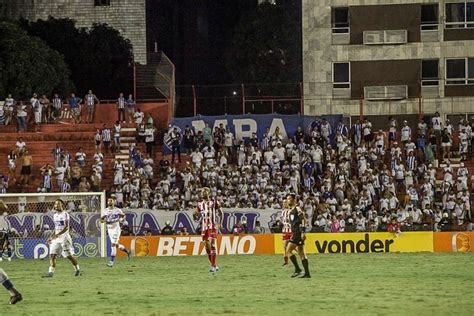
<point x="386" y="57"/>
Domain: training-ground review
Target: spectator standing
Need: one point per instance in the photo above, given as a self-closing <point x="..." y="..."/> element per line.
<point x="76" y="175"/>
<point x="74" y="105"/>
<point x="138" y="116"/>
<point x="37" y="111"/>
<point x="117" y="130"/>
<point x="121" y="107"/>
<point x="21" y="117"/>
<point x="98" y="139"/>
<point x="56" y="108"/>
<point x="150" y="139"/>
<point x="131" y="108"/>
<point x="46" y="108"/>
<point x="91" y="101"/>
<point x="106" y="138"/>
<point x="20" y="146"/>
<point x="188" y="139"/>
<point x="175" y="137"/>
<point x="81" y="158"/>
<point x="9" y="108"/>
<point x="26" y="168"/>
<point x="12" y="157"/>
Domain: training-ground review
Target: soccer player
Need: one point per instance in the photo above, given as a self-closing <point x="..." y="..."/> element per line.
<point x="113" y="216"/>
<point x="296" y="243"/>
<point x="286" y="230"/>
<point x="61" y="241"/>
<point x="5" y="245"/>
<point x="15" y="296"/>
<point x="208" y="211"/>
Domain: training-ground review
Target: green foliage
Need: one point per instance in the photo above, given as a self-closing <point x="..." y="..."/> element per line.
<point x="266" y="46"/>
<point x="28" y="65"/>
<point x="99" y="57"/>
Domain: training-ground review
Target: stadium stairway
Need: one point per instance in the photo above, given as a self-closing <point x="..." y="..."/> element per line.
<point x="69" y="137"/>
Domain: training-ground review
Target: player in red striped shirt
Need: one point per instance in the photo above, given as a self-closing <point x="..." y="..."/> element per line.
<point x="210" y="214"/>
<point x="286" y="230"/>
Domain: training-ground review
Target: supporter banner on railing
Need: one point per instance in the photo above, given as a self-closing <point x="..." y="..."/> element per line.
<point x="38" y="248"/>
<point x="242" y="126"/>
<point x="150" y="246"/>
<point x="139" y="221"/>
<point x="364" y="242"/>
<point x="453" y="242"/>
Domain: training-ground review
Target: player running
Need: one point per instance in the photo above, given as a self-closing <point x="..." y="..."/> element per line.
<point x="209" y="212"/>
<point x="298" y="226"/>
<point x="15" y="296"/>
<point x="5" y="245"/>
<point x="286" y="230"/>
<point x="61" y="241"/>
<point x="113" y="216"/>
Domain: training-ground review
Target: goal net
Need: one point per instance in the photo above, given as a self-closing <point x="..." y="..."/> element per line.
<point x="29" y="220"/>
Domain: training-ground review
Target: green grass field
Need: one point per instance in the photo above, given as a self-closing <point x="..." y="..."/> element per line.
<point x="364" y="284"/>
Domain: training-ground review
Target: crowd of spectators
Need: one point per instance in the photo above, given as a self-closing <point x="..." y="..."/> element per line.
<point x="41" y="110"/>
<point x="347" y="178"/>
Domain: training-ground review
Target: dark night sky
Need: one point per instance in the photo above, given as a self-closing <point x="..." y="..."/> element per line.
<point x="195" y="34"/>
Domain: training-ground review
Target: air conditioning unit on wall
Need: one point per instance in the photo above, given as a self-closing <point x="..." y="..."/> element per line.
<point x="385" y="37"/>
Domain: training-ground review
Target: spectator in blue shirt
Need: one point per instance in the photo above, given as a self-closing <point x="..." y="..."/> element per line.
<point x="131" y="107"/>
<point x="74" y="104"/>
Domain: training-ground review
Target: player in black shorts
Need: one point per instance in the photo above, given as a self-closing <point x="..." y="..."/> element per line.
<point x="298" y="227"/>
<point x="5" y="245"/>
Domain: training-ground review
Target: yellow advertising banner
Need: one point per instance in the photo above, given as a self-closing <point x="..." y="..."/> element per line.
<point x="364" y="242"/>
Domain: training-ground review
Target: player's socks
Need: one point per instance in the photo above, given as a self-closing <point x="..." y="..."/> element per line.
<point x="51" y="270"/>
<point x="285" y="260"/>
<point x="213" y="257"/>
<point x="306" y="268"/>
<point x="122" y="248"/>
<point x="295" y="263"/>
<point x="8" y="285"/>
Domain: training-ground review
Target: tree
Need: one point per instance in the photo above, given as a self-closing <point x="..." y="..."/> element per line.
<point x="28" y="65"/>
<point x="99" y="57"/>
<point x="266" y="46"/>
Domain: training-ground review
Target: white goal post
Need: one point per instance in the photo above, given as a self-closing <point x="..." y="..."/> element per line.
<point x="29" y="217"/>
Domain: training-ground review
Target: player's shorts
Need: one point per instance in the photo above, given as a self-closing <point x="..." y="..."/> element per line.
<point x="209" y="234"/>
<point x="297" y="240"/>
<point x="114" y="234"/>
<point x="286" y="236"/>
<point x="62" y="245"/>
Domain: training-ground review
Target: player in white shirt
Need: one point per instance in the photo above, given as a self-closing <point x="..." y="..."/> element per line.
<point x="113" y="216"/>
<point x="61" y="241"/>
<point x="15" y="296"/>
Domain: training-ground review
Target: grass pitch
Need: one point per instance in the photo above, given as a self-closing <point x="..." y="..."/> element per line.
<point x="364" y="284"/>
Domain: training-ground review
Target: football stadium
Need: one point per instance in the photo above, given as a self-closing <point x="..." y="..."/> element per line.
<point x="251" y="157"/>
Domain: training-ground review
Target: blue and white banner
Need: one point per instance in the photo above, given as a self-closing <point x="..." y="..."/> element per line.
<point x="242" y="126"/>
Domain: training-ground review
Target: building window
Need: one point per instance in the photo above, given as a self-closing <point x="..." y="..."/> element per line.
<point x="340" y="20"/>
<point x="429" y="17"/>
<point x="341" y="75"/>
<point x="101" y="3"/>
<point x="460" y="15"/>
<point x="429" y="72"/>
<point x="460" y="71"/>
